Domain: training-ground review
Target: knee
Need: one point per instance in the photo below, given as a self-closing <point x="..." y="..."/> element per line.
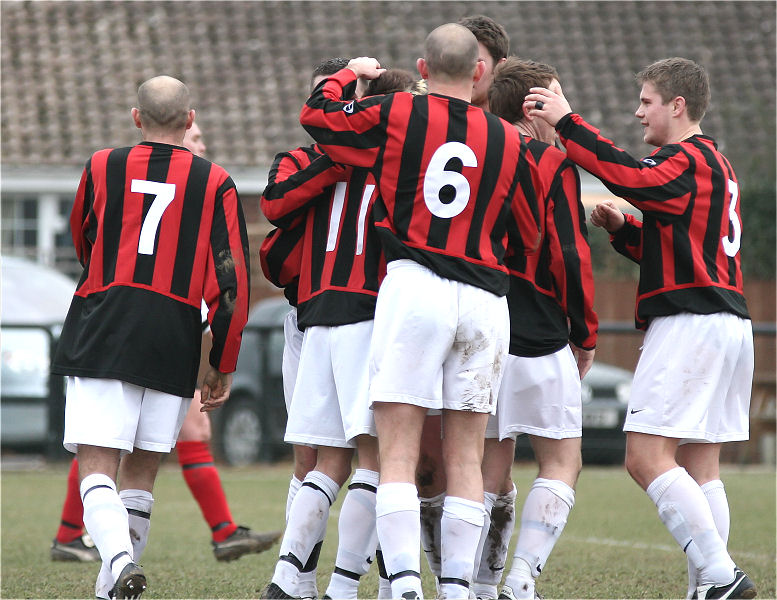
<point x="195" y="428"/>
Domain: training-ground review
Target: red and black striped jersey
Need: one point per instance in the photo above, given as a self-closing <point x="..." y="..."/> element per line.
<point x="157" y="230"/>
<point x="341" y="262"/>
<point x="281" y="258"/>
<point x="551" y="293"/>
<point x="688" y="242"/>
<point x="446" y="173"/>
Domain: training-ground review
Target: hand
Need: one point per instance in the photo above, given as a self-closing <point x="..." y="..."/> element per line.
<point x="607" y="215"/>
<point x="583" y="358"/>
<point x="215" y="389"/>
<point x="554" y="105"/>
<point x="366" y="67"/>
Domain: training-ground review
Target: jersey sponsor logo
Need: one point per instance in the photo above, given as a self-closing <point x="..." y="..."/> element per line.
<point x="649" y="161"/>
<point x="348" y="107"/>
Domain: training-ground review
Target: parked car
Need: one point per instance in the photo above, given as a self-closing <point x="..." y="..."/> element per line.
<point x="35" y="300"/>
<point x="605" y="390"/>
<point x="250" y="426"/>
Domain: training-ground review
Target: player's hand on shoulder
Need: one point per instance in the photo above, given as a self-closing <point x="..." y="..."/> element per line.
<point x="215" y="389"/>
<point x="366" y="67"/>
<point x="607" y="215"/>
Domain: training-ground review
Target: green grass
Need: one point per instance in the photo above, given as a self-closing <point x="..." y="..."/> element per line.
<point x="614" y="545"/>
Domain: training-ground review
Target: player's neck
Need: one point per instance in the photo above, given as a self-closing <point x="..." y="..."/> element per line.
<point x="174" y="139"/>
<point x="454" y="90"/>
<point x="683" y="133"/>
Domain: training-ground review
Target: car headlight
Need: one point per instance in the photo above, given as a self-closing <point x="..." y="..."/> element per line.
<point x="623" y="392"/>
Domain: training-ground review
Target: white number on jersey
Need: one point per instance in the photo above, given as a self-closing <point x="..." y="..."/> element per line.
<point x="338" y="201"/>
<point x="164" y="193"/>
<point x="437" y="178"/>
<point x="731" y="247"/>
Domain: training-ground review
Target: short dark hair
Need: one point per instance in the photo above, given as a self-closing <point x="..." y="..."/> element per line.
<point x="391" y="80"/>
<point x="489" y="33"/>
<point x="330" y="66"/>
<point x="512" y="80"/>
<point x="677" y="76"/>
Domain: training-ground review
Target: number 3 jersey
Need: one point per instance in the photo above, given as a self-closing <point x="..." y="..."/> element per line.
<point x="341" y="262"/>
<point x="687" y="244"/>
<point x="446" y="173"/>
<point x="157" y="230"/>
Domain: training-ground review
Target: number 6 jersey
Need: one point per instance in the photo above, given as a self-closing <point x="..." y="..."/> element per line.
<point x="446" y="173"/>
<point x="157" y="230"/>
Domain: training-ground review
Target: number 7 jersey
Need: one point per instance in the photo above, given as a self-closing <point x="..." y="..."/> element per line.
<point x="157" y="230"/>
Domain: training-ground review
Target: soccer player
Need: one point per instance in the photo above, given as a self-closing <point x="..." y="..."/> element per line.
<point x="341" y="268"/>
<point x="446" y="172"/>
<point x="229" y="540"/>
<point x="157" y="230"/>
<point x="691" y="388"/>
<point x="493" y="48"/>
<point x="553" y="330"/>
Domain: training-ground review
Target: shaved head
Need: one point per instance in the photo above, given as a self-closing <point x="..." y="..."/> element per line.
<point x="451" y="52"/>
<point x="164" y="104"/>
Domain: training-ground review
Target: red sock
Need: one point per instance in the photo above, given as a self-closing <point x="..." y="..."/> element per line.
<point x="203" y="480"/>
<point x="71" y="525"/>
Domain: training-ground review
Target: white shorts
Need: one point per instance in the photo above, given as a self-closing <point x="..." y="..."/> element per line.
<point x="437" y="343"/>
<point x="330" y="407"/>
<point x="116" y="414"/>
<point x="540" y="396"/>
<point x="693" y="379"/>
<point x="291" y="350"/>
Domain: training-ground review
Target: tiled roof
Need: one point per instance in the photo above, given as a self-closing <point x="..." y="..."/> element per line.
<point x="70" y="70"/>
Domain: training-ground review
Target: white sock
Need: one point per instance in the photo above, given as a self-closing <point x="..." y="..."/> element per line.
<point x="544" y="517"/>
<point x="294" y="486"/>
<point x="492" y="559"/>
<point x="399" y="531"/>
<point x="384" y="585"/>
<point x="686" y="513"/>
<point x="715" y="493"/>
<point x="306" y="526"/>
<point x="138" y="504"/>
<point x="460" y="533"/>
<point x="106" y="521"/>
<point x="431" y="515"/>
<point x="358" y="537"/>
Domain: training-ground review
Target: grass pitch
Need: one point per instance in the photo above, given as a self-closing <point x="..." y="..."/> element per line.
<point x="614" y="545"/>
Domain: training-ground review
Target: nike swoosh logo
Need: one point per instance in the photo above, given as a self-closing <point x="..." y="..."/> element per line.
<point x="634" y="412"/>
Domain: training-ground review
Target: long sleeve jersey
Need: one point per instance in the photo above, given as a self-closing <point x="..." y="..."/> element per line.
<point x="157" y="230"/>
<point x="688" y="243"/>
<point x="551" y="293"/>
<point x="446" y="173"/>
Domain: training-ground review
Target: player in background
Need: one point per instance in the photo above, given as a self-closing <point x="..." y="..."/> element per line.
<point x="493" y="49"/>
<point x="553" y="331"/>
<point x="229" y="540"/>
<point x="441" y="319"/>
<point x="341" y="269"/>
<point x="157" y="230"/>
<point x="691" y="388"/>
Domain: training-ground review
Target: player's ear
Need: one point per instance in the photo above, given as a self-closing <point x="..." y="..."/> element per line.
<point x="678" y="106"/>
<point x="136" y="117"/>
<point x="190" y="119"/>
<point x="480" y="69"/>
<point x="423" y="70"/>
